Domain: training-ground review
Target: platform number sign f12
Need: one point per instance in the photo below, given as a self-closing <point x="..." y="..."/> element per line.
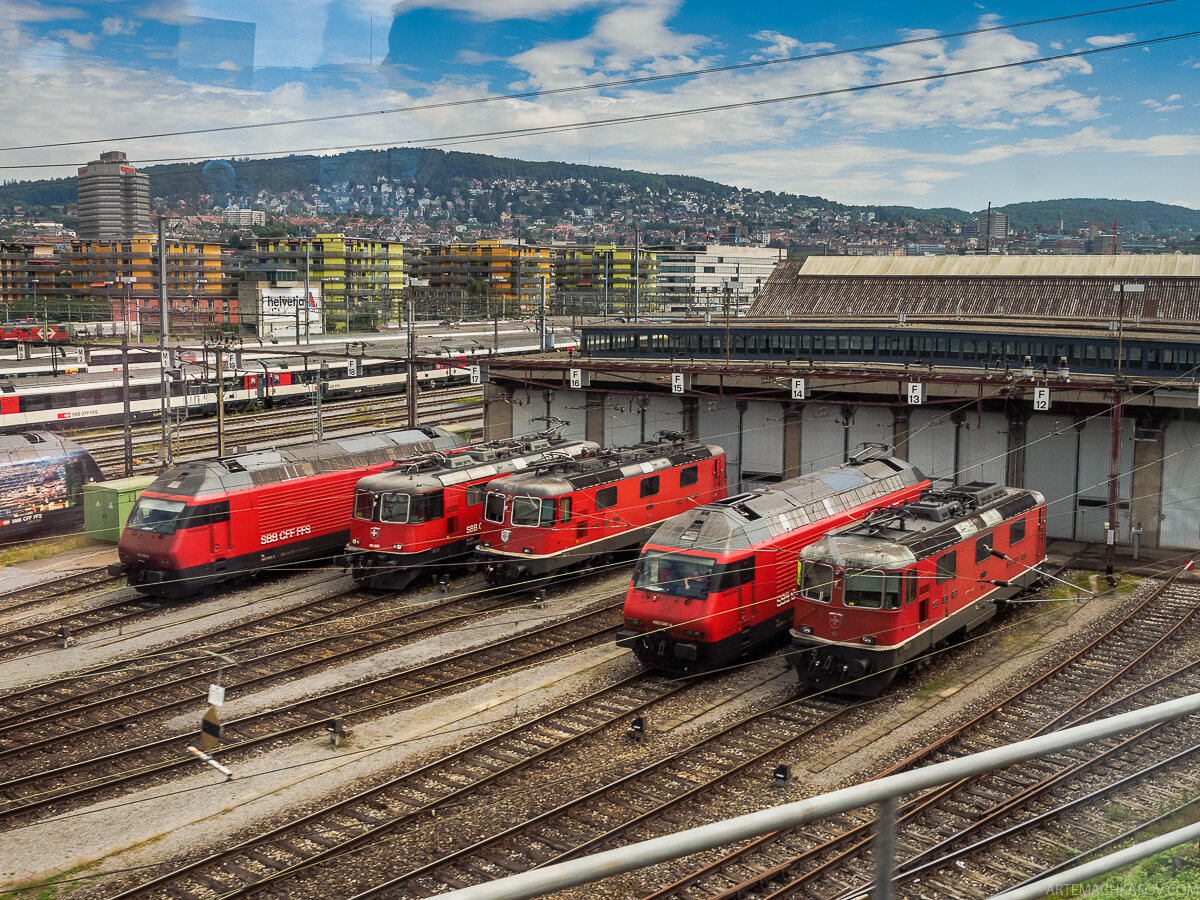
<point x="1041" y="399"/>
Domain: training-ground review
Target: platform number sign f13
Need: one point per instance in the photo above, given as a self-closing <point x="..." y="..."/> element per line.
<point x="1041" y="399"/>
<point x="916" y="393"/>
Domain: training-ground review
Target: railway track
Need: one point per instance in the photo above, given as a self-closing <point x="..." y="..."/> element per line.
<point x="66" y="786"/>
<point x="410" y="800"/>
<point x="21" y="640"/>
<point x="56" y="588"/>
<point x="830" y="859"/>
<point x="48" y="721"/>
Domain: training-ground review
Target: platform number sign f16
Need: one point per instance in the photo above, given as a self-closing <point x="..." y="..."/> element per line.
<point x="1041" y="399"/>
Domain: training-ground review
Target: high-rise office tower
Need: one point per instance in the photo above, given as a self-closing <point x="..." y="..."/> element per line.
<point x="114" y="199"/>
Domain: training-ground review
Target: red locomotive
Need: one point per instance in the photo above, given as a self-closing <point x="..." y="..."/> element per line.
<point x="880" y="595"/>
<point x="538" y="523"/>
<point x="428" y="510"/>
<point x="208" y="521"/>
<point x="715" y="583"/>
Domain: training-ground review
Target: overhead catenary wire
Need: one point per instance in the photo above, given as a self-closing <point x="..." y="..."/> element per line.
<point x="452" y="140"/>
<point x="592" y="86"/>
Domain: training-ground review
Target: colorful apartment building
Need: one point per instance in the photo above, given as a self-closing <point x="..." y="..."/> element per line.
<point x="125" y="273"/>
<point x="496" y="277"/>
<point x="362" y="279"/>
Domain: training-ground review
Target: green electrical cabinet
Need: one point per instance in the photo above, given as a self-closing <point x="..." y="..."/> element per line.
<point x="107" y="505"/>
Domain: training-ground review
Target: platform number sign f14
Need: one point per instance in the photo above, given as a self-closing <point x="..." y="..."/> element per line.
<point x="1041" y="399"/>
<point x="799" y="389"/>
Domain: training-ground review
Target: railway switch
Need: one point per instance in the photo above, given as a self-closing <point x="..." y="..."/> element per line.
<point x="337" y="730"/>
<point x="637" y="730"/>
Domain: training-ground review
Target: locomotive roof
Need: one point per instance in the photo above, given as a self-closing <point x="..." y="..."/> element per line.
<point x="231" y="473"/>
<point x="924" y="527"/>
<point x="35" y="445"/>
<point x="477" y="461"/>
<point x="605" y="467"/>
<point x="760" y="515"/>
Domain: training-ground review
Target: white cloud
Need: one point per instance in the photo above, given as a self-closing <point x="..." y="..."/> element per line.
<point x="77" y="39"/>
<point x="114" y="25"/>
<point x="1109" y="40"/>
<point x="16" y="11"/>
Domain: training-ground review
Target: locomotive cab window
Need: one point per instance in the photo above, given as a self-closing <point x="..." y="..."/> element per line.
<point x="364" y="505"/>
<point x="872" y="590"/>
<point x="532" y="512"/>
<point x="606" y="498"/>
<point x="674" y="574"/>
<point x="689" y="476"/>
<point x="493" y="508"/>
<point x="983" y="548"/>
<point x="564" y="509"/>
<point x="1016" y="532"/>
<point x="475" y="494"/>
<point x="207" y="514"/>
<point x="156" y="515"/>
<point x="649" y="486"/>
<point x="817" y="581"/>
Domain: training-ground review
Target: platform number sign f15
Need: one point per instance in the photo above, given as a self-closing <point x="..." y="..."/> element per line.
<point x="916" y="393"/>
<point x="680" y="382"/>
<point x="799" y="389"/>
<point x="1041" y="399"/>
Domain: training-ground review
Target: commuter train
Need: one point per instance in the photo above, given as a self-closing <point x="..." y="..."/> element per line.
<point x="880" y="595"/>
<point x="208" y="521"/>
<point x="716" y="583"/>
<point x="428" y="510"/>
<point x="567" y="514"/>
<point x="41" y="483"/>
<point x="98" y="397"/>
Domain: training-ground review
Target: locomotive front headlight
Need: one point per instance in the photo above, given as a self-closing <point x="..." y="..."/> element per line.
<point x="868" y="640"/>
<point x="354" y="542"/>
<point x="397" y="546"/>
<point x="635" y="622"/>
<point x="526" y="549"/>
<point x="485" y="544"/>
<point x="695" y="634"/>
<point x="806" y="629"/>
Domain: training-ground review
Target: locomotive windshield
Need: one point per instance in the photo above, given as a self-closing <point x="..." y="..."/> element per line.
<point x="873" y="590"/>
<point x="364" y="505"/>
<point x="398" y="508"/>
<point x="493" y="508"/>
<point x="393" y="508"/>
<point x="532" y="511"/>
<point x="816" y="582"/>
<point x="674" y="574"/>
<point x="156" y="515"/>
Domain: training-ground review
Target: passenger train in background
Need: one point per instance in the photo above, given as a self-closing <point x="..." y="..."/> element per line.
<point x="98" y="397"/>
<point x="428" y="510"/>
<point x="566" y="514"/>
<point x="41" y="483"/>
<point x="880" y="595"/>
<point x="716" y="583"/>
<point x="208" y="521"/>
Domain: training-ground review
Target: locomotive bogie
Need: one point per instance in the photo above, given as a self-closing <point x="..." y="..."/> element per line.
<point x="881" y="596"/>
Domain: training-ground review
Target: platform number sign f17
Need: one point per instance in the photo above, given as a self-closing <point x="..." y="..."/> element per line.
<point x="1041" y="399"/>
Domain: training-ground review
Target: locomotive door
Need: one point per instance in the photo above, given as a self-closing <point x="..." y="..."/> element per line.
<point x="218" y="514"/>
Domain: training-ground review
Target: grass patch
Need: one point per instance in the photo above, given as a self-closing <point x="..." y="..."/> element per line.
<point x="935" y="687"/>
<point x="43" y="549"/>
<point x="48" y="889"/>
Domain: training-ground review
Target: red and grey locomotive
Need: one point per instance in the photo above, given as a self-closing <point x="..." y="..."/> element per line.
<point x="427" y="510"/>
<point x="880" y="595"/>
<point x="538" y="523"/>
<point x="208" y="521"/>
<point x="718" y="582"/>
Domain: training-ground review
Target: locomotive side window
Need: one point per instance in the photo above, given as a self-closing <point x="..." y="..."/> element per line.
<point x="689" y="476"/>
<point x="493" y="508"/>
<point x="364" y="505"/>
<point x="564" y="509"/>
<point x="207" y="514"/>
<point x="983" y="548"/>
<point x="816" y="582"/>
<point x="475" y="494"/>
<point x="649" y="486"/>
<point x="606" y="498"/>
<point x="947" y="566"/>
<point x="531" y="512"/>
<point x="736" y="573"/>
<point x="1016" y="532"/>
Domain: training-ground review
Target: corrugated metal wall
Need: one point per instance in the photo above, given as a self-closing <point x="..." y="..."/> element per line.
<point x="982" y="448"/>
<point x="1051" y="452"/>
<point x="762" y="426"/>
<point x="663" y="414"/>
<point x="1095" y="454"/>
<point x="718" y="424"/>
<point x="571" y="407"/>
<point x="931" y="437"/>
<point x="871" y="424"/>
<point x="822" y="436"/>
<point x="1180" y="527"/>
<point x="622" y="419"/>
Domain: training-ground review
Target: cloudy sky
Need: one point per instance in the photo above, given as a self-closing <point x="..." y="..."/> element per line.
<point x="1122" y="123"/>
